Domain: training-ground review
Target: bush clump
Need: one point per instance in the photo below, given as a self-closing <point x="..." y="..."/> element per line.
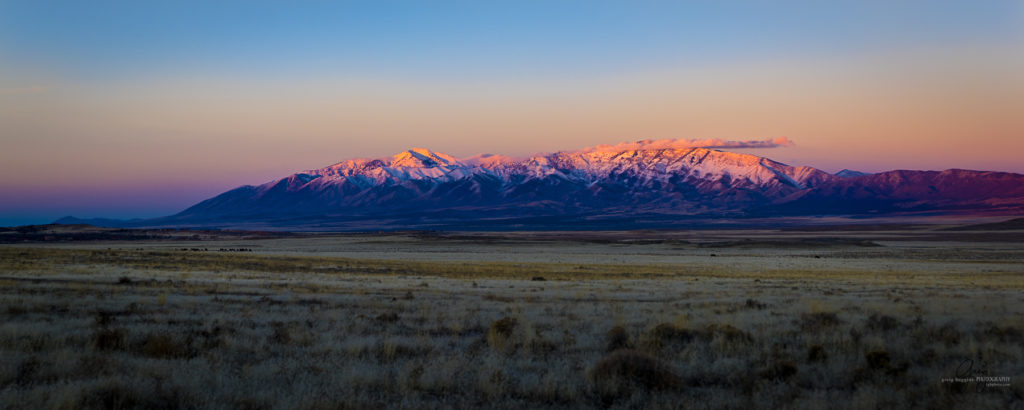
<point x="1004" y="334"/>
<point x="728" y="333"/>
<point x="625" y="371"/>
<point x="667" y="334"/>
<point x="816" y="322"/>
<point x="883" y="323"/>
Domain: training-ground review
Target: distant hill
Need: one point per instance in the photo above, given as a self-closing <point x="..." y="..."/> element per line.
<point x="82" y="232"/>
<point x="1010" y="225"/>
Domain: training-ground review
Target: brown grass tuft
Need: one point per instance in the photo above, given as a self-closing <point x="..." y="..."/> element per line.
<point x="500" y="334"/>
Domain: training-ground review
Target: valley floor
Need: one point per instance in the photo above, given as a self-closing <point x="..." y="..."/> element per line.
<point x="751" y="319"/>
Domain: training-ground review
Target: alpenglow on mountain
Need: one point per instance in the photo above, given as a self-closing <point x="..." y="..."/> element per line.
<point x="423" y="189"/>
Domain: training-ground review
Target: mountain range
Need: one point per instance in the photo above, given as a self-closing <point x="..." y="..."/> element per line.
<point x="586" y="189"/>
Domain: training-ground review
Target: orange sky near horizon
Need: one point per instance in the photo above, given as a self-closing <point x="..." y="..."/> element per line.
<point x="872" y="113"/>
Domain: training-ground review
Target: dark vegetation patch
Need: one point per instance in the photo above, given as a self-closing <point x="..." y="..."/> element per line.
<point x="728" y="333"/>
<point x="792" y="243"/>
<point x="881" y="323"/>
<point x="617" y="338"/>
<point x="666" y="334"/>
<point x="754" y="304"/>
<point x="816" y="353"/>
<point x="817" y="322"/>
<point x="117" y="395"/>
<point x="86" y="233"/>
<point x="388" y="317"/>
<point x="110" y="339"/>
<point x="163" y="345"/>
<point x="1003" y="334"/>
<point x="1008" y="225"/>
<point x="625" y="371"/>
<point x="778" y="371"/>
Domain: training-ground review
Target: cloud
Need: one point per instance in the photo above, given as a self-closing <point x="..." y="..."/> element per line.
<point x="676" y="143"/>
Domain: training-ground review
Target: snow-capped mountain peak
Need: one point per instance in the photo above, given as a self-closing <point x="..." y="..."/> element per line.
<point x="647" y="177"/>
<point x="650" y="164"/>
<point x="423" y="158"/>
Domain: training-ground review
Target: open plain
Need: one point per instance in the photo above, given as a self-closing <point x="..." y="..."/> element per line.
<point x="865" y="318"/>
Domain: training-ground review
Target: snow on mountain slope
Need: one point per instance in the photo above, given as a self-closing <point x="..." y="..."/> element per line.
<point x="586" y="167"/>
<point x="655" y="179"/>
<point x="666" y="179"/>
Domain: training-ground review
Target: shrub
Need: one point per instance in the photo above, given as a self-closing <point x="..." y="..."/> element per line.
<point x="617" y="338"/>
<point x="109" y="339"/>
<point x="816" y="322"/>
<point x="728" y="333"/>
<point x="1005" y="334"/>
<point x="163" y="346"/>
<point x="667" y="334"/>
<point x="284" y="333"/>
<point x="625" y="371"/>
<point x="883" y="323"/>
<point x="754" y="304"/>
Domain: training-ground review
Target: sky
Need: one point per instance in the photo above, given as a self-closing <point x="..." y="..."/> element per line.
<point x="127" y="109"/>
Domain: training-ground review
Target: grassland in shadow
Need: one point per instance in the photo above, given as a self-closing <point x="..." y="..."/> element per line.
<point x="121" y="328"/>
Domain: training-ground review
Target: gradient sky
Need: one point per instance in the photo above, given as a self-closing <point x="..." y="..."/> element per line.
<point x="138" y="109"/>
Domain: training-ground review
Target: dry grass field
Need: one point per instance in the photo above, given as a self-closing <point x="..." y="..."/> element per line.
<point x="696" y="320"/>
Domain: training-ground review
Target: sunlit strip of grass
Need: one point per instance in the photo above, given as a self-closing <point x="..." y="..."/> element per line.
<point x="46" y="259"/>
